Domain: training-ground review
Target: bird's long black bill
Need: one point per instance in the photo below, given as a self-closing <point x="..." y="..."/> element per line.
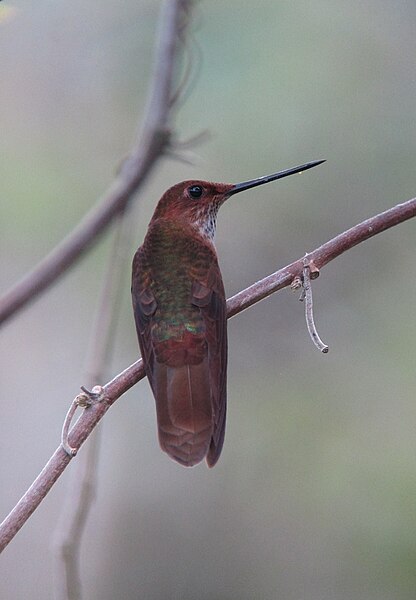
<point x="246" y="185"/>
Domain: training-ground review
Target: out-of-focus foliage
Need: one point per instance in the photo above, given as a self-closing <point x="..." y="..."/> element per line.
<point x="314" y="494"/>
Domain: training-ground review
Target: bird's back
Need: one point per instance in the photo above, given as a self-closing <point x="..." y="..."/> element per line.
<point x="179" y="307"/>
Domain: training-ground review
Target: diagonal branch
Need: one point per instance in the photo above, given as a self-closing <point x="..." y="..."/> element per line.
<point x="322" y="255"/>
<point x="130" y="376"/>
<point x="150" y="144"/>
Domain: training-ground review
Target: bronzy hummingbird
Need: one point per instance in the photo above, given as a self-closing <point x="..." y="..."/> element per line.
<point x="181" y="319"/>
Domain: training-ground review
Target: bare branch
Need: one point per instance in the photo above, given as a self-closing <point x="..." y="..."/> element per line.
<point x="130" y="376"/>
<point x="322" y="255"/>
<point x="150" y="144"/>
<point x="82" y="485"/>
<point x="81" y="490"/>
<point x="60" y="459"/>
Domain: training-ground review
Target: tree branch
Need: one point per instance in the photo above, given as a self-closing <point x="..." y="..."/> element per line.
<point x="81" y="488"/>
<point x="130" y="376"/>
<point x="322" y="255"/>
<point x="150" y="144"/>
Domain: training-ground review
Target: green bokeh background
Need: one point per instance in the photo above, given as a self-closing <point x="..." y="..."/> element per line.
<point x="314" y="495"/>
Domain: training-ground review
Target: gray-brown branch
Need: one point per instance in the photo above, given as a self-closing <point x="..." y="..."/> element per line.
<point x="130" y="376"/>
<point x="152" y="141"/>
<point x="81" y="487"/>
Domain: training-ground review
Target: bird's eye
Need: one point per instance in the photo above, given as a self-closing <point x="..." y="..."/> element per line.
<point x="195" y="191"/>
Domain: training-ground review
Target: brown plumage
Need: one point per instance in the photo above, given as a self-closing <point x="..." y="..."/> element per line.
<point x="180" y="312"/>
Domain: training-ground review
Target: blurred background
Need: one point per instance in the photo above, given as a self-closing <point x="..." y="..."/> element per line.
<point x="314" y="495"/>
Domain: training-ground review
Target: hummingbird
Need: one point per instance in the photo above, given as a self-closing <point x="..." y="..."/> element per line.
<point x="180" y="312"/>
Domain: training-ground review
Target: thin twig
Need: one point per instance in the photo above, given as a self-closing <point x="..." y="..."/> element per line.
<point x="150" y="144"/>
<point x="81" y="489"/>
<point x="308" y="299"/>
<point x="134" y="373"/>
<point x="80" y="495"/>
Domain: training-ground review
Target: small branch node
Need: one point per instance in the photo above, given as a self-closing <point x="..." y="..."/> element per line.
<point x="313" y="270"/>
<point x="97" y="394"/>
<point x="307" y="296"/>
<point x="296" y="284"/>
<point x="84" y="400"/>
